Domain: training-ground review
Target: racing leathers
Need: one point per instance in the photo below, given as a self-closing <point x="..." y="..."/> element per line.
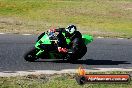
<point x="76" y="49"/>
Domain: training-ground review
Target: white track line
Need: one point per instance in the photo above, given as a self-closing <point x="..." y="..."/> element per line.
<point x="26" y="34"/>
<point x="100" y="37"/>
<point x="2" y="33"/>
<point x="120" y="38"/>
<point x="69" y="71"/>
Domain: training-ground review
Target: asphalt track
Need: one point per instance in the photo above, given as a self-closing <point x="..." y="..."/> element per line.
<point x="102" y="53"/>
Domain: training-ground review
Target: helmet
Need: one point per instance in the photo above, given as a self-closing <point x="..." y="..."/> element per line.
<point x="71" y="29"/>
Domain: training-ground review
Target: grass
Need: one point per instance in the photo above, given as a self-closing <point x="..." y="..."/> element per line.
<point x="55" y="81"/>
<point x="109" y="18"/>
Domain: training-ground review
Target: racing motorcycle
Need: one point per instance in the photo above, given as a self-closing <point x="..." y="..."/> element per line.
<point x="46" y="47"/>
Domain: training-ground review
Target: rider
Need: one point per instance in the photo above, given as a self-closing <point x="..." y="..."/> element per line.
<point x="76" y="48"/>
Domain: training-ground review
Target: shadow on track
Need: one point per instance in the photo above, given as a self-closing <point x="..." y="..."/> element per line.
<point x="90" y="62"/>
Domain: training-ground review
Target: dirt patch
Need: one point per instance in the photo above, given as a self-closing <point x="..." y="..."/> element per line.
<point x="18" y="26"/>
<point x="125" y="5"/>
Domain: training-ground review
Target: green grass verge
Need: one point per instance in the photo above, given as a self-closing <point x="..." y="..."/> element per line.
<point x="56" y="81"/>
<point x="109" y="18"/>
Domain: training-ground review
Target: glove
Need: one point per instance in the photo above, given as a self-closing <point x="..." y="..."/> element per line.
<point x="63" y="50"/>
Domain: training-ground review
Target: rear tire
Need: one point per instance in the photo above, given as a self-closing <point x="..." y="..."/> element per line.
<point x="31" y="55"/>
<point x="74" y="57"/>
<point x="70" y="59"/>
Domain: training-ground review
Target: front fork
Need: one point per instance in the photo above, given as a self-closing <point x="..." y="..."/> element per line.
<point x="40" y="52"/>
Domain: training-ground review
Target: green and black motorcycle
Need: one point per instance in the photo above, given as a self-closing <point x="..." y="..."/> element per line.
<point x="49" y="49"/>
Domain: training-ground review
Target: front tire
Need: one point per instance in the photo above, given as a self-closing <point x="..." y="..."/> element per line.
<point x="31" y="55"/>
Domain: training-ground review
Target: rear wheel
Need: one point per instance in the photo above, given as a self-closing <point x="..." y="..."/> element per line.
<point x="71" y="59"/>
<point x="31" y="55"/>
<point x="74" y="57"/>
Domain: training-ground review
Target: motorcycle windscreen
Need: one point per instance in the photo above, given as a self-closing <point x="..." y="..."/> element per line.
<point x="87" y="39"/>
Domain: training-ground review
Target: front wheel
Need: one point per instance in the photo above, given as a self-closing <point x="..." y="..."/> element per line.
<point x="31" y="55"/>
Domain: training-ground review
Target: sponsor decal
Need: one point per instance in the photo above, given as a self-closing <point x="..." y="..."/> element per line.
<point x="83" y="78"/>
